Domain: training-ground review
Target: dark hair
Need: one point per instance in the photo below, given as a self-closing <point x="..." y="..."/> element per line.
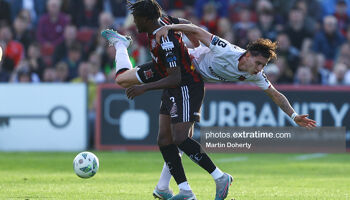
<point x="149" y="9"/>
<point x="263" y="47"/>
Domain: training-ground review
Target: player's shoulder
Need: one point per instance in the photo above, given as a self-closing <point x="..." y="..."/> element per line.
<point x="167" y="20"/>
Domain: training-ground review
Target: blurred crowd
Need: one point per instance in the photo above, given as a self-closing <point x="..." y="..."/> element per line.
<point x="59" y="40"/>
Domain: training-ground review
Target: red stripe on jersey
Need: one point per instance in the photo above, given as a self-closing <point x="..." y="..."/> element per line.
<point x="186" y="60"/>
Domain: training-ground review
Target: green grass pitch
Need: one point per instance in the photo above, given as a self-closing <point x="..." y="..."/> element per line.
<point x="133" y="175"/>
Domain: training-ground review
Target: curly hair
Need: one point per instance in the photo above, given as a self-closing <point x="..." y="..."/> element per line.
<point x="263" y="47"/>
<point x="149" y="9"/>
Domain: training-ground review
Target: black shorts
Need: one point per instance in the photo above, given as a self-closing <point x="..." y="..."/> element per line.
<point x="183" y="104"/>
<point x="146" y="73"/>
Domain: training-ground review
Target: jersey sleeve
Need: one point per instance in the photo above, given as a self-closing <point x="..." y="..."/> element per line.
<point x="170" y="51"/>
<point x="262" y="81"/>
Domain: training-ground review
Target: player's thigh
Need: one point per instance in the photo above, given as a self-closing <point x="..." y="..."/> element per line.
<point x="164" y="134"/>
<point x="128" y="78"/>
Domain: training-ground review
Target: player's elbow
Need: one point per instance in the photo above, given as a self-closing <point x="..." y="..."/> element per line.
<point x="122" y="82"/>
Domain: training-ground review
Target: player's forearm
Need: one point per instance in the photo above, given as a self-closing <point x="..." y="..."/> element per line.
<point x="167" y="82"/>
<point x="283" y="103"/>
<point x="188" y="28"/>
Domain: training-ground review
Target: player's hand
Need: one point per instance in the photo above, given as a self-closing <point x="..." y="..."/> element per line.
<point x="134" y="91"/>
<point x="162" y="33"/>
<point x="303" y="121"/>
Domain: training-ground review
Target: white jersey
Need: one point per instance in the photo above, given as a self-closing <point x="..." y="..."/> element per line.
<point x="219" y="63"/>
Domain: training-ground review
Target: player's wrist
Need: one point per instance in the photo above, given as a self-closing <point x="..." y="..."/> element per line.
<point x="293" y="115"/>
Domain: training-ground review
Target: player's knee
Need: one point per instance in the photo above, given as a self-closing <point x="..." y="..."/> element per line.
<point x="163" y="140"/>
<point x="179" y="138"/>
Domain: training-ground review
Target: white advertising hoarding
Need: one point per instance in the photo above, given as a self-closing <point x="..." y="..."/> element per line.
<point x="43" y="117"/>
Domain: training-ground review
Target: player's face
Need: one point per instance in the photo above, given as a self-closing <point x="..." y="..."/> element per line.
<point x="141" y="24"/>
<point x="256" y="63"/>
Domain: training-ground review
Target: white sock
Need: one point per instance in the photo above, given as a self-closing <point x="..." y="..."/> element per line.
<point x="121" y="57"/>
<point x="184" y="186"/>
<point x="217" y="173"/>
<point x="165" y="176"/>
<point x="164" y="179"/>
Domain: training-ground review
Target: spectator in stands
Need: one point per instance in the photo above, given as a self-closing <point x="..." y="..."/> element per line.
<point x="253" y="34"/>
<point x="242" y="26"/>
<point x="303" y="76"/>
<point x="266" y="24"/>
<point x="49" y="75"/>
<point x="70" y="36"/>
<point x="23" y="74"/>
<point x="210" y="18"/>
<point x="51" y="25"/>
<point x="13" y="50"/>
<point x="221" y="7"/>
<point x="35" y="62"/>
<point x="4" y="74"/>
<point x="344" y="54"/>
<point x="36" y="8"/>
<point x="328" y="40"/>
<point x="342" y="16"/>
<point x="5" y="13"/>
<point x="62" y="72"/>
<point x="86" y="14"/>
<point x="73" y="59"/>
<point x="299" y="35"/>
<point x="96" y="75"/>
<point x="311" y="10"/>
<point x="272" y="72"/>
<point x="84" y="74"/>
<point x="21" y="31"/>
<point x="319" y="75"/>
<point x="340" y="75"/>
<point x="117" y="8"/>
<point x="286" y="75"/>
<point x="288" y="52"/>
<point x="225" y="31"/>
<point x="329" y="6"/>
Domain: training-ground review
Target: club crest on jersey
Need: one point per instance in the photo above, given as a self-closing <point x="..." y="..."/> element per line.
<point x="153" y="43"/>
<point x="148" y="74"/>
<point x="242" y="78"/>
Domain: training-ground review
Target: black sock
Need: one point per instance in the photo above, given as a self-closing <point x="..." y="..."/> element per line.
<point x="173" y="160"/>
<point x="194" y="150"/>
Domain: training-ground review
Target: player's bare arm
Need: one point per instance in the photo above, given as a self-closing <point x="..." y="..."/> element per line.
<point x="197" y="32"/>
<point x="284" y="104"/>
<point x="194" y="40"/>
<point x="172" y="80"/>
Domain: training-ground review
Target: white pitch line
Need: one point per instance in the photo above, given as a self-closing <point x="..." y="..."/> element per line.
<point x="235" y="159"/>
<point x="310" y="156"/>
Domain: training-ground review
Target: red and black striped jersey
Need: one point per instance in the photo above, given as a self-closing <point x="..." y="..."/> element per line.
<point x="172" y="52"/>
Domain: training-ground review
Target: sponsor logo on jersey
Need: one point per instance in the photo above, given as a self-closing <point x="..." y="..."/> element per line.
<point x="148" y="74"/>
<point x="167" y="45"/>
<point x="215" y="40"/>
<point x="216" y="75"/>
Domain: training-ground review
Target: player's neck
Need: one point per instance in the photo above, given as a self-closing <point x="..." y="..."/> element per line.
<point x="153" y="26"/>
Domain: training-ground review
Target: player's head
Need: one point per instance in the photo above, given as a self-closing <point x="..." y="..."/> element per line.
<point x="259" y="53"/>
<point x="145" y="12"/>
